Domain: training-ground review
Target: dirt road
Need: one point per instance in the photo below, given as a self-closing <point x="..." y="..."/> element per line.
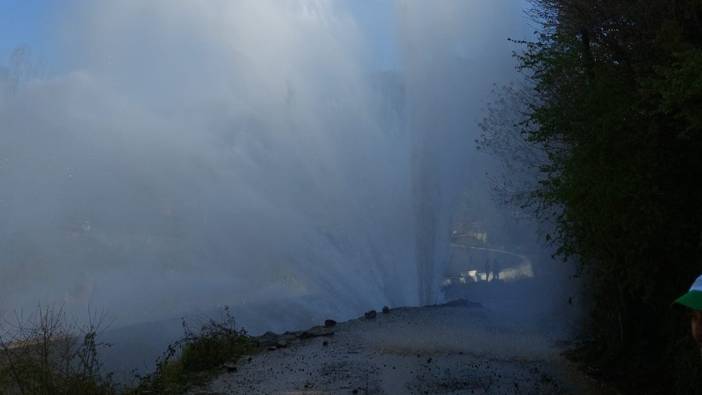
<point x="449" y="349"/>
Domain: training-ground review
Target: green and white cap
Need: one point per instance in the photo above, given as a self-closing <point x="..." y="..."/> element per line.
<point x="693" y="297"/>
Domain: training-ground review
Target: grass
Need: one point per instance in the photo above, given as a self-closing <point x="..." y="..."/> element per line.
<point x="42" y="355"/>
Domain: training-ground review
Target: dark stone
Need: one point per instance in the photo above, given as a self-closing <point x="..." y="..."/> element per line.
<point x="325" y="343"/>
<point x="268" y="339"/>
<point x="329" y="323"/>
<point x="230" y="368"/>
<point x="317" y="331"/>
<point x="386" y="309"/>
<point x="370" y="315"/>
<point x="281" y="344"/>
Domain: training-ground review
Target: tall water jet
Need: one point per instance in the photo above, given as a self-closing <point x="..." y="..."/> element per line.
<point x="451" y="58"/>
<point x="193" y="154"/>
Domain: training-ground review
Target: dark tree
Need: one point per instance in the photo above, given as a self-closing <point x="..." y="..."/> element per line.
<point x="616" y="109"/>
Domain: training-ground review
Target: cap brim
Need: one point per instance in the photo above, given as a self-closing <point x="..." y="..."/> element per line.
<point x="692" y="299"/>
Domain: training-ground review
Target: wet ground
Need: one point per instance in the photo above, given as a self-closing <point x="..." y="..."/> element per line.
<point x="449" y="349"/>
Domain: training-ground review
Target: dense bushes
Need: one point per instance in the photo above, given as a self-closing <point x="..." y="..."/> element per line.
<point x="616" y="108"/>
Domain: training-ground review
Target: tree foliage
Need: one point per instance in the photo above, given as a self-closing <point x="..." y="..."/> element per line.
<point x="616" y="108"/>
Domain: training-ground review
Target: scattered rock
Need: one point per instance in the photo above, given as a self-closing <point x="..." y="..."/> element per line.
<point x="230" y="367"/>
<point x="386" y="309"/>
<point x="317" y="331"/>
<point x="329" y="323"/>
<point x="268" y="339"/>
<point x="281" y="344"/>
<point x="288" y="338"/>
<point x="370" y="315"/>
<point x="325" y="343"/>
<point x="272" y="341"/>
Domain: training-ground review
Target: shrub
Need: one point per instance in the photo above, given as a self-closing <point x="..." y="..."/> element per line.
<point x="42" y="354"/>
<point x="196" y="357"/>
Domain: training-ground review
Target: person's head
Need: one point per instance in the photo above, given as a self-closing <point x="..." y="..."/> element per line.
<point x="693" y="300"/>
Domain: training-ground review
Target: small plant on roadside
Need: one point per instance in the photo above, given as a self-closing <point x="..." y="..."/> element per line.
<point x="197" y="356"/>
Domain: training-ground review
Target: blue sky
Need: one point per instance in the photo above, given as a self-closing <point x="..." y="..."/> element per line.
<point x="31" y="22"/>
<point x="376" y="18"/>
<point x="25" y="22"/>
